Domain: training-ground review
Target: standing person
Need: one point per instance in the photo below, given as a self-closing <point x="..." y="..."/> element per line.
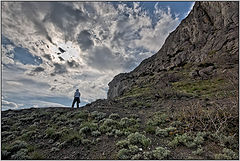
<point x="76" y="98"/>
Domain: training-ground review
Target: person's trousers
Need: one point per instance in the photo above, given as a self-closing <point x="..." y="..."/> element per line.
<point x="76" y="99"/>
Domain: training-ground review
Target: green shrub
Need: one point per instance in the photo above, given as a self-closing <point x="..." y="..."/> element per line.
<point x="161" y="132"/>
<point x="81" y="114"/>
<point x="54" y="117"/>
<point x="184" y="139"/>
<point x="199" y="151"/>
<point x="137" y="157"/>
<point x="158" y="119"/>
<point x="122" y="143"/>
<point x="86" y="142"/>
<point x="123" y="154"/>
<point x="150" y="129"/>
<point x="114" y="116"/>
<point x="109" y="134"/>
<point x="20" y="155"/>
<point x="37" y="156"/>
<point x="28" y="135"/>
<point x="98" y="139"/>
<point x="138" y="139"/>
<point x="147" y="155"/>
<point x="98" y="115"/>
<point x="126" y="122"/>
<point x="170" y="129"/>
<point x="134" y="116"/>
<point x="118" y="133"/>
<point x="108" y="125"/>
<point x="87" y="127"/>
<point x="61" y="118"/>
<point x="5" y="154"/>
<point x="72" y="138"/>
<point x="96" y="133"/>
<point x="133" y="149"/>
<point x="228" y="141"/>
<point x="84" y="130"/>
<point x="176" y="123"/>
<point x="228" y="154"/>
<point x="50" y="131"/>
<point x="160" y="153"/>
<point x="17" y="145"/>
<point x="198" y="140"/>
<point x="54" y="149"/>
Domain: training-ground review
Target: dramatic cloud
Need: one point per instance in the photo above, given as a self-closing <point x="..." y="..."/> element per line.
<point x="9" y="105"/>
<point x="51" y="48"/>
<point x="84" y="40"/>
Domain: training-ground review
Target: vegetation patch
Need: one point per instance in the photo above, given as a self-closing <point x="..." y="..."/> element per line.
<point x="203" y="88"/>
<point x="227" y="154"/>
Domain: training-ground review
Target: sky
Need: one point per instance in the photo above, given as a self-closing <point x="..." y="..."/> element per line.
<point x="49" y="49"/>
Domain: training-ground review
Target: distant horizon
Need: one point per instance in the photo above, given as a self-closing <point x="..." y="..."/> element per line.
<point x="49" y="49"/>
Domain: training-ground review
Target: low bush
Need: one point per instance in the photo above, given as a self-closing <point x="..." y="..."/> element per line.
<point x="184" y="139"/>
<point x="86" y="141"/>
<point x="176" y="123"/>
<point x="114" y="116"/>
<point x="20" y="155"/>
<point x="160" y="153"/>
<point x="199" y="151"/>
<point x="62" y="118"/>
<point x="5" y="154"/>
<point x="227" y="154"/>
<point x="96" y="133"/>
<point x="108" y="125"/>
<point x="150" y="129"/>
<point x="165" y="132"/>
<point x="98" y="115"/>
<point x="17" y="145"/>
<point x="122" y="143"/>
<point x="118" y="133"/>
<point x="133" y="149"/>
<point x="54" y="149"/>
<point x="71" y="139"/>
<point x="156" y="120"/>
<point x="188" y="140"/>
<point x="161" y="132"/>
<point x="87" y="127"/>
<point x="36" y="156"/>
<point x="139" y="139"/>
<point x="83" y="114"/>
<point x="123" y="154"/>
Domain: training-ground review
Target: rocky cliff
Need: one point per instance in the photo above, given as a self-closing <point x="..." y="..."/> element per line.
<point x="203" y="46"/>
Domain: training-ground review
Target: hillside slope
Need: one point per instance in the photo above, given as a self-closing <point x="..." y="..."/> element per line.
<point x="181" y="103"/>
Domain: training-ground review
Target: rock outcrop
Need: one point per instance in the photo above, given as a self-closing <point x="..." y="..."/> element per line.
<point x="207" y="40"/>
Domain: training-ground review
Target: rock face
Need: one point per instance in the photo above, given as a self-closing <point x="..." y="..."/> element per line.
<point x="206" y="40"/>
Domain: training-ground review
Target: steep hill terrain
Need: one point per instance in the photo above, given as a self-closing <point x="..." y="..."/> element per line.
<point x="181" y="103"/>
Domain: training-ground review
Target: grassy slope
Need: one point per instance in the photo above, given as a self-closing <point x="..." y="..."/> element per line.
<point x="131" y="127"/>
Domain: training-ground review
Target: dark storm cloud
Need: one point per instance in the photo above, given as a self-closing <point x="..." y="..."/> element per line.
<point x="65" y="17"/>
<point x="47" y="56"/>
<point x="84" y="40"/>
<point x="30" y="11"/>
<point x="38" y="69"/>
<point x="72" y="64"/>
<point x="59" y="69"/>
<point x="104" y="58"/>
